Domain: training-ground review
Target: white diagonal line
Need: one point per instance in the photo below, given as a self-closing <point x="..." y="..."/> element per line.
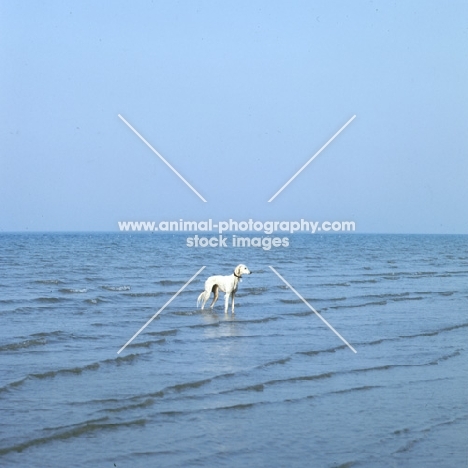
<point x="162" y="159"/>
<point x="313" y="310"/>
<point x="312" y="158"/>
<point x="161" y="309"/>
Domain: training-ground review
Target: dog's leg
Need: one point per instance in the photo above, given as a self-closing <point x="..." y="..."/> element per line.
<point x="232" y="303"/>
<point x="215" y="292"/>
<point x="226" y="302"/>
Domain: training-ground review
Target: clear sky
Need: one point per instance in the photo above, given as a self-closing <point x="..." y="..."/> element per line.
<point x="237" y="96"/>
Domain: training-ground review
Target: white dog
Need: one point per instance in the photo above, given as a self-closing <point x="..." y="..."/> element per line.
<point x="227" y="284"/>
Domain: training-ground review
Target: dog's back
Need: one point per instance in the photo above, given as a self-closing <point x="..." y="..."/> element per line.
<point x="218" y="280"/>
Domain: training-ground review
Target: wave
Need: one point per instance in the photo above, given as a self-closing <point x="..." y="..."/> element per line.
<point x="382" y="274"/>
<point x="261" y="320"/>
<point x="122" y="359"/>
<point x="361" y="370"/>
<point x="48" y="281"/>
<point x="190" y="311"/>
<point x="116" y="288"/>
<point x="23" y="344"/>
<point x="364" y="281"/>
<point x="183" y="386"/>
<point x="252" y="388"/>
<point x="71" y="290"/>
<point x="75" y="430"/>
<point x="146" y="294"/>
<point x="19" y="310"/>
<point x="7" y="301"/>
<point x="291" y="301"/>
<point x="12" y="385"/>
<point x="335" y="284"/>
<point x="423" y="432"/>
<point x="300" y="378"/>
<point x="179" y="388"/>
<point x="385" y="298"/>
<point x="348" y="464"/>
<point x="328" y="299"/>
<point x="104" y="401"/>
<point x="203" y="325"/>
<point x="163" y="333"/>
<point x="52" y="333"/>
<point x="96" y="300"/>
<point x="78" y="370"/>
<point x="352" y="306"/>
<point x="356" y="389"/>
<point x="435" y="362"/>
<point x="312" y="300"/>
<point x="252" y="291"/>
<point x="305" y="313"/>
<point x="409" y="445"/>
<point x="144" y="404"/>
<point x="147" y="344"/>
<point x="147" y="399"/>
<point x="394" y="275"/>
<point x="71" y="370"/>
<point x="276" y="362"/>
<point x="416" y="298"/>
<point x="170" y="282"/>
<point x="382" y="340"/>
<point x="384" y="295"/>
<point x="50" y="300"/>
<point x="321" y="351"/>
<point x="436" y="332"/>
<point x="401" y="431"/>
<point x="393" y="366"/>
<point x="385" y="367"/>
<point x="239" y="406"/>
<point x="62" y="335"/>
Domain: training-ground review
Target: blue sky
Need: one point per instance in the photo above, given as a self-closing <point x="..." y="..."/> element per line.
<point x="237" y="96"/>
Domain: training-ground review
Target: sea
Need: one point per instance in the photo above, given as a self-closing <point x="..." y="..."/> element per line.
<point x="269" y="386"/>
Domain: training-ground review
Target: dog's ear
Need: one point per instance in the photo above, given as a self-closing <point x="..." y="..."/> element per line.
<point x="237" y="270"/>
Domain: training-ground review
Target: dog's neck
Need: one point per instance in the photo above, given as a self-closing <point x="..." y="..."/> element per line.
<point x="237" y="276"/>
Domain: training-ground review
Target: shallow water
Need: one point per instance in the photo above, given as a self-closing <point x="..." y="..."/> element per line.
<point x="270" y="386"/>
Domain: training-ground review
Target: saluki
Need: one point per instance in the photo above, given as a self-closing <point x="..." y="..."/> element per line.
<point x="227" y="284"/>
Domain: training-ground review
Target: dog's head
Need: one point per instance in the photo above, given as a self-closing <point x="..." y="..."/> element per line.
<point x="241" y="270"/>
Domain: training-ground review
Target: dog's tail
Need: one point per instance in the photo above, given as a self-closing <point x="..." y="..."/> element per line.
<point x="202" y="298"/>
